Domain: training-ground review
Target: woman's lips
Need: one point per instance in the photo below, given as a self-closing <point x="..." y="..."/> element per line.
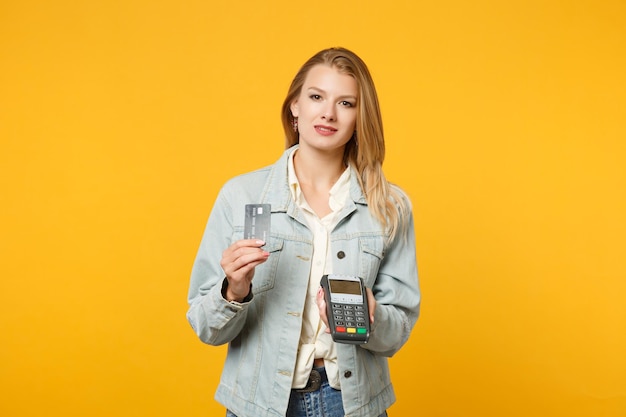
<point x="325" y="130"/>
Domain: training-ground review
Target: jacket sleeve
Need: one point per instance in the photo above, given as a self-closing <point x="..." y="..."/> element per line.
<point x="397" y="294"/>
<point x="215" y="320"/>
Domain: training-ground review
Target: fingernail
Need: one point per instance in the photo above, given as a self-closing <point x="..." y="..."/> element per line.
<point x="260" y="242"/>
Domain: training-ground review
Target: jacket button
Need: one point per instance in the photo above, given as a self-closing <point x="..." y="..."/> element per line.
<point x="341" y="254"/>
<point x="347" y="374"/>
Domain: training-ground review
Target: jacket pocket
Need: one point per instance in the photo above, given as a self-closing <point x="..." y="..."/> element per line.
<point x="371" y="251"/>
<point x="265" y="274"/>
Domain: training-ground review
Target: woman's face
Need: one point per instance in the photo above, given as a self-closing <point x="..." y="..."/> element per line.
<point x="326" y="109"/>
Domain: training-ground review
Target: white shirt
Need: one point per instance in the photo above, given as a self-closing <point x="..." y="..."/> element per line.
<point x="314" y="341"/>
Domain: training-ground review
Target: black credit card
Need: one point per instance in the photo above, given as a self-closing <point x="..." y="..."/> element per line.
<point x="257" y="223"/>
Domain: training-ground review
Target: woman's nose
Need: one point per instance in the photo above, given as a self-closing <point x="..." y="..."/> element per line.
<point x="329" y="113"/>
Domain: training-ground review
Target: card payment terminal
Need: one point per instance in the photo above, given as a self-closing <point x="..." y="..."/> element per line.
<point x="346" y="308"/>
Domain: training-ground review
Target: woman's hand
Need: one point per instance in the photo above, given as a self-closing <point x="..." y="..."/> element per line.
<point x="321" y="305"/>
<point x="238" y="263"/>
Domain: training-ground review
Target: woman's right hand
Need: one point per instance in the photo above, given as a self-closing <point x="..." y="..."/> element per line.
<point x="238" y="262"/>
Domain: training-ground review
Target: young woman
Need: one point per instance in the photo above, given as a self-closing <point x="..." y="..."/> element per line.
<point x="332" y="211"/>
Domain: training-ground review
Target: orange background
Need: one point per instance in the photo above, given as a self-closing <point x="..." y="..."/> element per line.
<point x="505" y="122"/>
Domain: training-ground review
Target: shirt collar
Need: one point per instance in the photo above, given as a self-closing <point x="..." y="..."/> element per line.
<point x="338" y="193"/>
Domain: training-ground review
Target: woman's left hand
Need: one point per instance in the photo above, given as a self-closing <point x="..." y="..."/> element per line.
<point x="321" y="305"/>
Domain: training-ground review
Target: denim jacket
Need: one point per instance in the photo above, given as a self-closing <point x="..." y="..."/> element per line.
<point x="264" y="331"/>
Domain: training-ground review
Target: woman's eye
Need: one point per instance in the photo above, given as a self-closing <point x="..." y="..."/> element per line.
<point x="315" y="97"/>
<point x="346" y="104"/>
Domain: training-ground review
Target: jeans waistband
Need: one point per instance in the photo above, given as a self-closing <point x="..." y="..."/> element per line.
<point x="316" y="379"/>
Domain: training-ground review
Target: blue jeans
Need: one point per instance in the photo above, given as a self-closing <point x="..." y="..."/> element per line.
<point x="325" y="402"/>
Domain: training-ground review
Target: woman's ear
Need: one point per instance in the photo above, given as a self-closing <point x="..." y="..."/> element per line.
<point x="294" y="108"/>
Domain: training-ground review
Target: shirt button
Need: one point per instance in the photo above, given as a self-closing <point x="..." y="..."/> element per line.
<point x="341" y="254"/>
<point x="347" y="374"/>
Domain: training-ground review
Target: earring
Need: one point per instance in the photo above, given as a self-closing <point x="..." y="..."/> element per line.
<point x="294" y="124"/>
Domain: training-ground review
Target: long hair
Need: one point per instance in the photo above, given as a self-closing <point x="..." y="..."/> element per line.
<point x="365" y="151"/>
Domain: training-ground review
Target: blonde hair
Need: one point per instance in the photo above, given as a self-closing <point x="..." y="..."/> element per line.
<point x="365" y="151"/>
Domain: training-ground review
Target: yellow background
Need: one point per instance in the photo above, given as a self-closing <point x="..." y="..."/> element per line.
<point x="505" y="122"/>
